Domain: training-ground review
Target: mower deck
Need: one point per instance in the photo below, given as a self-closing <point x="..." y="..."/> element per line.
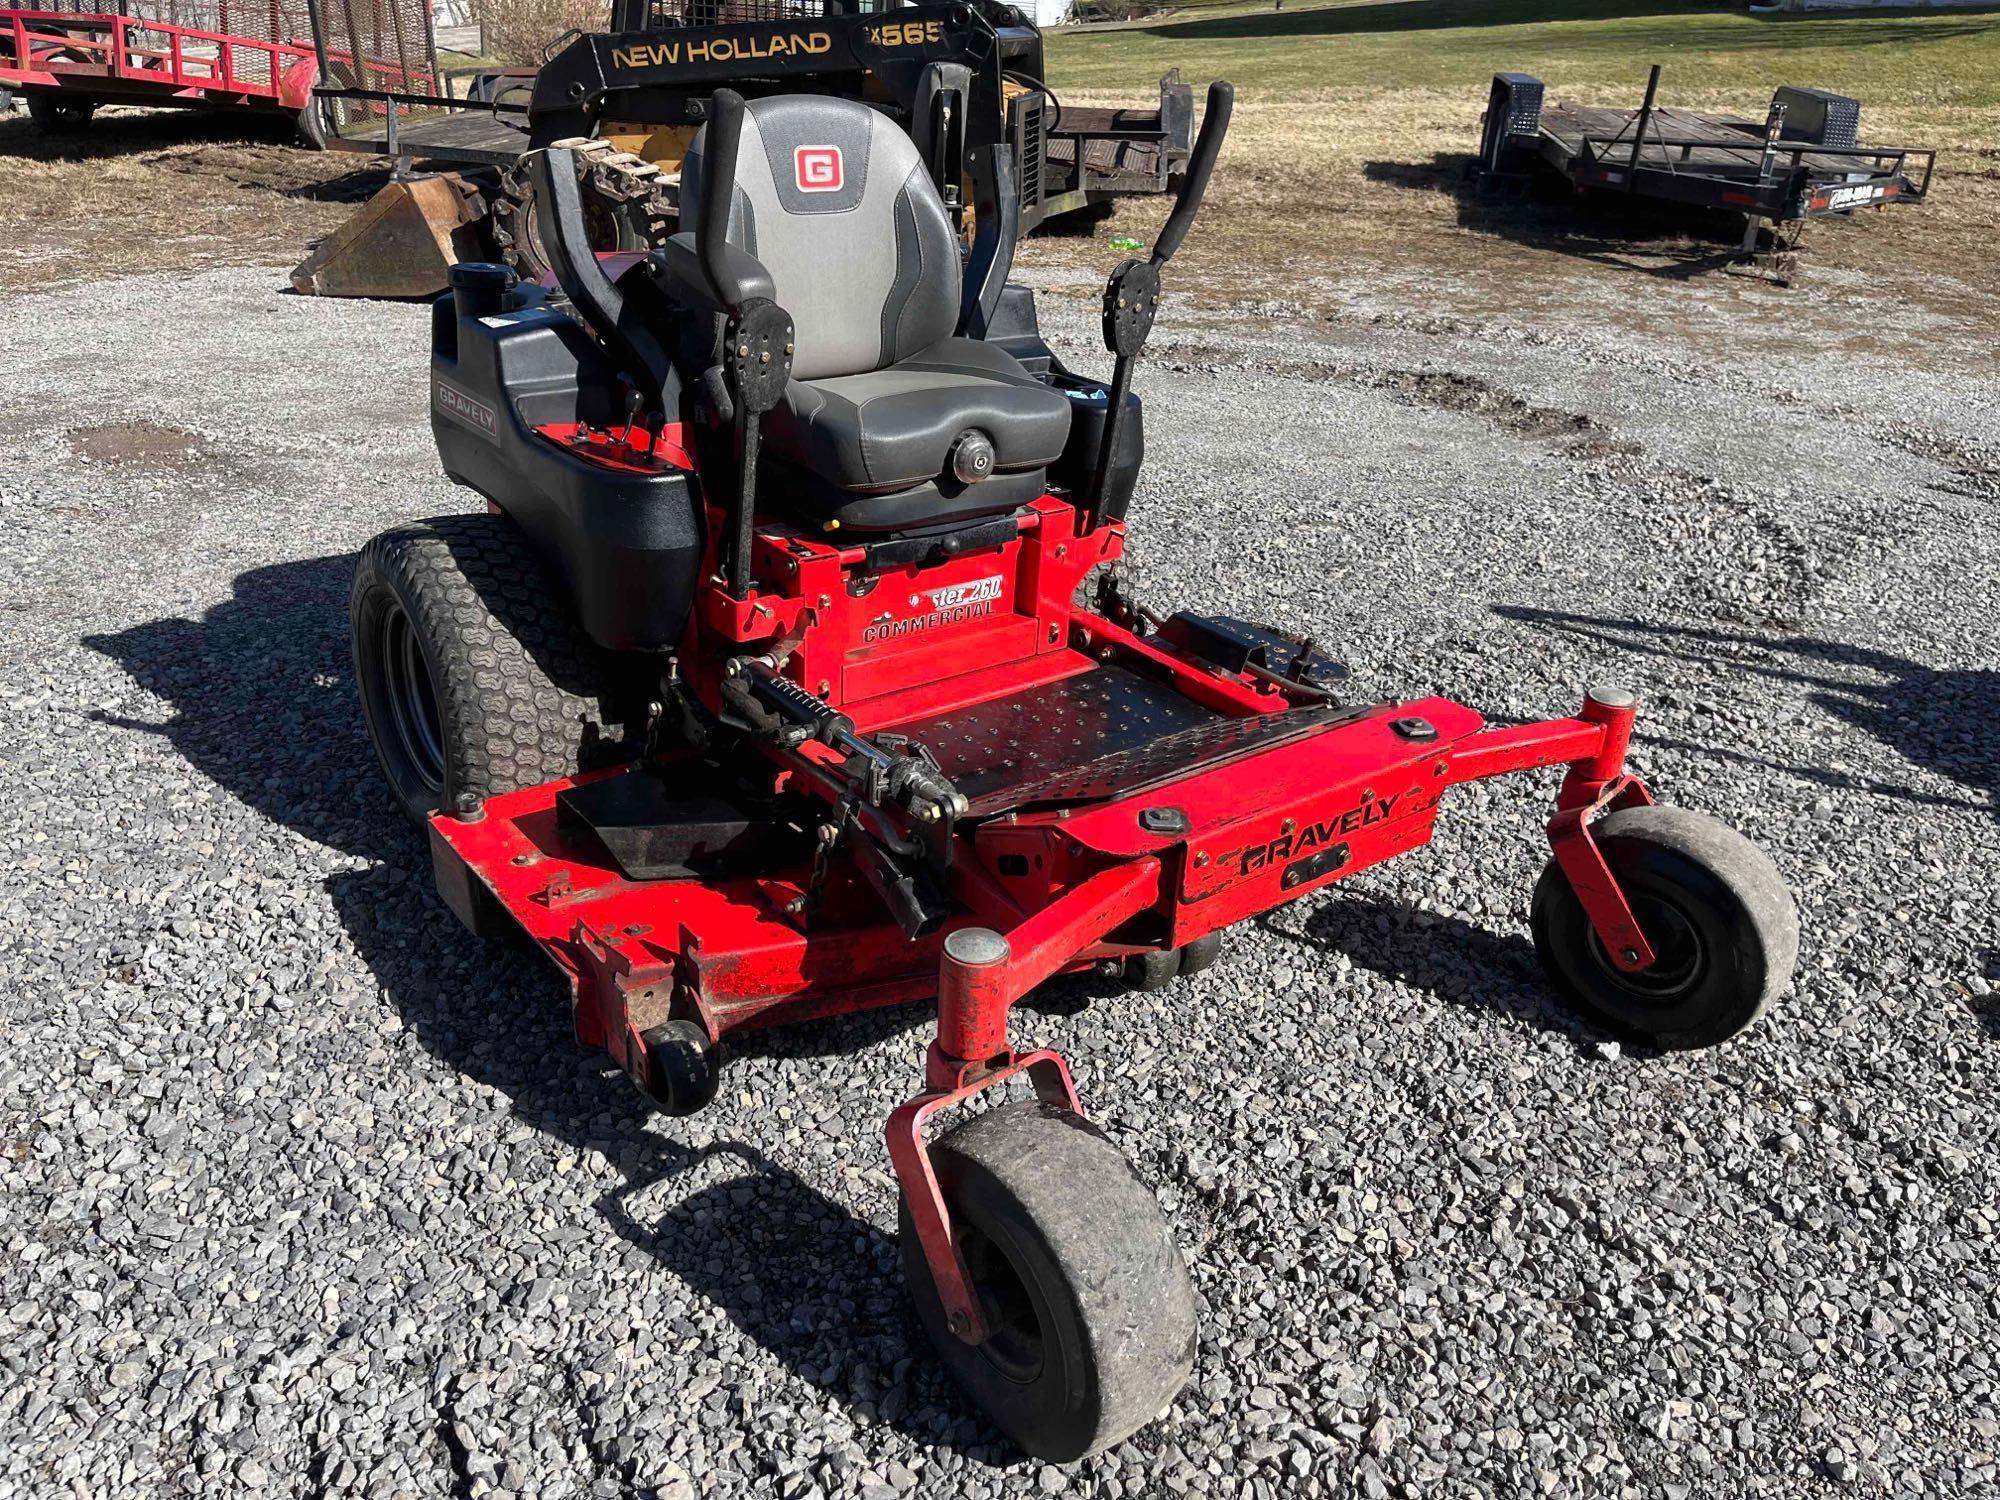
<point x="1095" y="770"/>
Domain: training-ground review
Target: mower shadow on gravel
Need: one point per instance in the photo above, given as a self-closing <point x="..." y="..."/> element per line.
<point x="261" y="697"/>
<point x="1457" y="960"/>
<point x="1938" y="720"/>
<point x="1987" y="1006"/>
<point x="262" y="702"/>
<point x="745" y="1234"/>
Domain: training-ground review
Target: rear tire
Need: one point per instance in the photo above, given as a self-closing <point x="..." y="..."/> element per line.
<point x="474" y="677"/>
<point x="1723" y="927"/>
<point x="1078" y="1276"/>
<point x="57" y="116"/>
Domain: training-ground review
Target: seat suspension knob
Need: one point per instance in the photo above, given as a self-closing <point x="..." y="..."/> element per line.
<point x="972" y="456"/>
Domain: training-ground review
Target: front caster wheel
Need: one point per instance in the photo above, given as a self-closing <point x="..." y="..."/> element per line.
<point x="1724" y="931"/>
<point x="1087" y="1302"/>
<point x="682" y="1067"/>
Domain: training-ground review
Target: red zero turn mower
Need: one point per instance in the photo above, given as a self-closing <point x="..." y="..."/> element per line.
<point x="761" y="694"/>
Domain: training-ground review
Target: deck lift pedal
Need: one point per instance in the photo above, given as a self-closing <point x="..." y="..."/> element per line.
<point x="762" y="694"/>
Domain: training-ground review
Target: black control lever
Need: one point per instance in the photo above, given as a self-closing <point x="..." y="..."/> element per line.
<point x="1201" y="163"/>
<point x="906" y="874"/>
<point x="1132" y="295"/>
<point x="996" y="206"/>
<point x="602" y="307"/>
<point x="905" y="781"/>
<point x="757" y="334"/>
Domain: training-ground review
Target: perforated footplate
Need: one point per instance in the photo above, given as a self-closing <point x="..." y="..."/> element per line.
<point x="1103" y="733"/>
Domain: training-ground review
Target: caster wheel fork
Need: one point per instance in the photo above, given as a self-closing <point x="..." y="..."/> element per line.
<point x="1041" y="1267"/>
<point x="1718" y="919"/>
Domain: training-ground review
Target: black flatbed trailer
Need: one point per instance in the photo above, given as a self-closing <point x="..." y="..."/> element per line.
<point x="1803" y="161"/>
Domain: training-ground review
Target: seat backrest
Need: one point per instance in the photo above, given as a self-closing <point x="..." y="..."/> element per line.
<point x="834" y="199"/>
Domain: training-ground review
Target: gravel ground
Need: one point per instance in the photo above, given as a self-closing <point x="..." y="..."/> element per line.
<point x="306" y="1192"/>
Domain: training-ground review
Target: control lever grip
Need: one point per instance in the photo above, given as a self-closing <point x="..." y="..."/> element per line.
<point x="722" y="140"/>
<point x="1201" y="162"/>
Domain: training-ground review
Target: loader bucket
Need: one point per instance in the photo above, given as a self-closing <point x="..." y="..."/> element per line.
<point x="400" y="243"/>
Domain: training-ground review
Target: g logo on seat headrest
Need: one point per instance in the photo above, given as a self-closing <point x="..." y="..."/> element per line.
<point x="817" y="169"/>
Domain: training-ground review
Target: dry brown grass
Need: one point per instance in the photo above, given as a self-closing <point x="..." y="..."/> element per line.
<point x="164" y="190"/>
<point x="1341" y="200"/>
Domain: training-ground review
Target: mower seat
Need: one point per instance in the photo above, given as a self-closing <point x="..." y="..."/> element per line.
<point x="884" y="404"/>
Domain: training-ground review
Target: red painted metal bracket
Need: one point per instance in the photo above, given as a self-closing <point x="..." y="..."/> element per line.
<point x="1593" y="745"/>
<point x="980" y="975"/>
<point x="1592" y="879"/>
<point x="928" y="1215"/>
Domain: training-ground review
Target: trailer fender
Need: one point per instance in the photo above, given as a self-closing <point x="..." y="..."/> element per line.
<point x="295" y="84"/>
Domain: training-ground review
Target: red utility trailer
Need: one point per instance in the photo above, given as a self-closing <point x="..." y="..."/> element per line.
<point x="68" y="57"/>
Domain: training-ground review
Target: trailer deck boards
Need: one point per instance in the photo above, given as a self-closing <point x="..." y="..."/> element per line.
<point x="1805" y="161"/>
<point x="1124" y="150"/>
<point x="1714" y="144"/>
<point x="1770" y="170"/>
<point x="476" y="136"/>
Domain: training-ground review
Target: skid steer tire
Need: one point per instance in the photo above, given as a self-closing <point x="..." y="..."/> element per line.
<point x="627" y="205"/>
<point x="474" y="676"/>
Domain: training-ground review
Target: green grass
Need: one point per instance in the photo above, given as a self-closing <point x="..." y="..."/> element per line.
<point x="1357" y="48"/>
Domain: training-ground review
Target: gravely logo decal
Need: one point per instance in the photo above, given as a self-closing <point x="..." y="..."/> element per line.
<point x="949" y="606"/>
<point x="1289" y="846"/>
<point x="453" y="402"/>
<point x="817" y="169"/>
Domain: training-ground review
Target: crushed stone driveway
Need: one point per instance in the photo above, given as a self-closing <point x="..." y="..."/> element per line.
<point x="306" y="1192"/>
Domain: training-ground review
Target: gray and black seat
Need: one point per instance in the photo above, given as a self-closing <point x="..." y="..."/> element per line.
<point x="889" y="422"/>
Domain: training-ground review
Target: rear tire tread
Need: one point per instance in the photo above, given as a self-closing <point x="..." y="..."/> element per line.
<point x="518" y="688"/>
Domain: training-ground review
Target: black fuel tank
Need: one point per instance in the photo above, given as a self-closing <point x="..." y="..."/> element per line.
<point x="628" y="546"/>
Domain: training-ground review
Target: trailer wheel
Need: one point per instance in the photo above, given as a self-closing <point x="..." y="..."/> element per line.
<point x="53" y="115"/>
<point x="474" y="677"/>
<point x="1088" y="1303"/>
<point x="312" y="125"/>
<point x="1721" y="921"/>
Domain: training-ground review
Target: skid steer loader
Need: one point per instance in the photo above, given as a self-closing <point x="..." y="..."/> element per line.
<point x="959" y="78"/>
